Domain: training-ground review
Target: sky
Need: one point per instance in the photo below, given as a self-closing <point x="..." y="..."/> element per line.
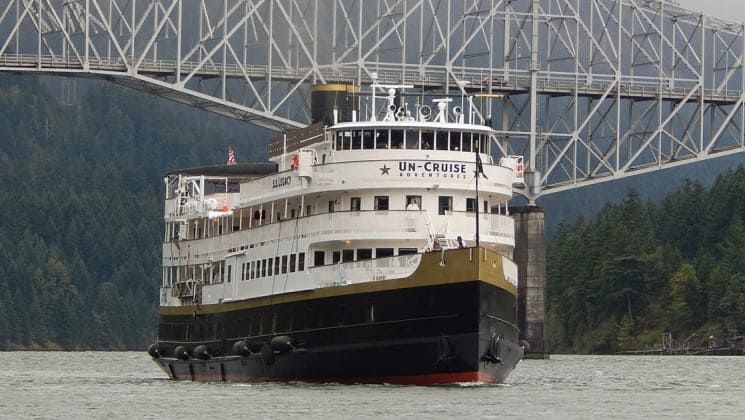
<point x="732" y="10"/>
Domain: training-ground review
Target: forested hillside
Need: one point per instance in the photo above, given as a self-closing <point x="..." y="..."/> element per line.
<point x="81" y="209"/>
<point x="637" y="269"/>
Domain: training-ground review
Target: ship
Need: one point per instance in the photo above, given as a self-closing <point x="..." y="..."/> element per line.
<point x="374" y="247"/>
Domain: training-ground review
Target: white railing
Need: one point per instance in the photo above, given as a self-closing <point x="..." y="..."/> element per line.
<point x="355" y="225"/>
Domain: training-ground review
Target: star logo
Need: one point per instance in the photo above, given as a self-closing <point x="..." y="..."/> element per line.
<point x="384" y="170"/>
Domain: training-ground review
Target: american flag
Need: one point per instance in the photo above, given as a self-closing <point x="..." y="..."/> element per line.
<point x="231" y="156"/>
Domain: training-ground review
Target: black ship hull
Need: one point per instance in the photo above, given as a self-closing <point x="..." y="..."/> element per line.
<point x="421" y="332"/>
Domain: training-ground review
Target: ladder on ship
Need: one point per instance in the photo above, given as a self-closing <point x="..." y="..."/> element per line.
<point x="442" y="238"/>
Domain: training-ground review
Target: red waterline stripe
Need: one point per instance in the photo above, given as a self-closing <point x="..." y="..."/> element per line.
<point x="423" y="379"/>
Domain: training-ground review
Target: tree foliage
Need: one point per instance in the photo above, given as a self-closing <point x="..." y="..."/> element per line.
<point x="81" y="213"/>
<point x="636" y="270"/>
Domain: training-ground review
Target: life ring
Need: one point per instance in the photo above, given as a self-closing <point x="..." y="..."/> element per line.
<point x="295" y="161"/>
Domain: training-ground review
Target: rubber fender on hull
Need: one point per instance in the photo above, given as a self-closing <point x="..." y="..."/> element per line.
<point x="282" y="343"/>
<point x="267" y="354"/>
<point x="240" y="348"/>
<point x="181" y="353"/>
<point x="202" y="352"/>
<point x="153" y="351"/>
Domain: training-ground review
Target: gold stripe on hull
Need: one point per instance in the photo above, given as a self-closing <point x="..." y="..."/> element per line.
<point x="461" y="265"/>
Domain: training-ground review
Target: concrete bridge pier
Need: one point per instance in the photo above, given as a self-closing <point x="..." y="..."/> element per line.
<point x="530" y="256"/>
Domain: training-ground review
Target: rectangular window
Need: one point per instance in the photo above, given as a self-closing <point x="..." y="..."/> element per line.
<point x="331" y="206"/>
<point x="243" y="271"/>
<point x="347" y="255"/>
<point x="252" y="270"/>
<point x="367" y="139"/>
<point x="335" y="257"/>
<point x="284" y="264"/>
<point x="444" y="204"/>
<point x="276" y="265"/>
<point x="413" y="202"/>
<point x="381" y="202"/>
<point x="412" y="139"/>
<point x="428" y="139"/>
<point x="355" y="204"/>
<point x="383" y="252"/>
<point x="381" y="139"/>
<point x="319" y="258"/>
<point x="269" y="269"/>
<point x="263" y="268"/>
<point x="470" y="204"/>
<point x="230" y="272"/>
<point x="397" y="139"/>
<point x="486" y="206"/>
<point x="406" y="251"/>
<point x="292" y="263"/>
<point x="442" y="140"/>
<point x="308" y="210"/>
<point x="364" y="254"/>
<point x="301" y="261"/>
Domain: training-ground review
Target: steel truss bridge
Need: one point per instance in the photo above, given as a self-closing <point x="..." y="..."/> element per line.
<point x="586" y="90"/>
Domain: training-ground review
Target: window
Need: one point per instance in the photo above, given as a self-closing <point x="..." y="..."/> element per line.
<point x="269" y="268"/>
<point x="355" y="203"/>
<point x="263" y="268"/>
<point x="230" y="272"/>
<point x="331" y="206"/>
<point x="466" y="142"/>
<point x="292" y="263"/>
<point x="335" y="257"/>
<point x="381" y="202"/>
<point x="383" y="252"/>
<point x="253" y="270"/>
<point x="347" y="255"/>
<point x="284" y="264"/>
<point x="356" y="140"/>
<point x="412" y="139"/>
<point x="470" y="204"/>
<point x="301" y="261"/>
<point x="381" y="141"/>
<point x="413" y="202"/>
<point x="243" y="271"/>
<point x="428" y="138"/>
<point x="455" y="141"/>
<point x="367" y="140"/>
<point x="308" y="209"/>
<point x="486" y="206"/>
<point x="442" y="140"/>
<point x="364" y="254"/>
<point x="319" y="258"/>
<point x="444" y="204"/>
<point x="406" y="251"/>
<point x="397" y="139"/>
<point x="276" y="265"/>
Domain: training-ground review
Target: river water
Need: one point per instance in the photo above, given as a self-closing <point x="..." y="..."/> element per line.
<point x="129" y="385"/>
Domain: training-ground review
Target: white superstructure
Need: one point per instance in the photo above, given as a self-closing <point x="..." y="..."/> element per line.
<point x="356" y="201"/>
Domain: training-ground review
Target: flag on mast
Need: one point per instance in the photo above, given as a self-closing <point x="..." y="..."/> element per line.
<point x="231" y="156"/>
<point x="479" y="166"/>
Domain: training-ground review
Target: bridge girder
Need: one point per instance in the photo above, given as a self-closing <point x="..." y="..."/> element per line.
<point x="586" y="90"/>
